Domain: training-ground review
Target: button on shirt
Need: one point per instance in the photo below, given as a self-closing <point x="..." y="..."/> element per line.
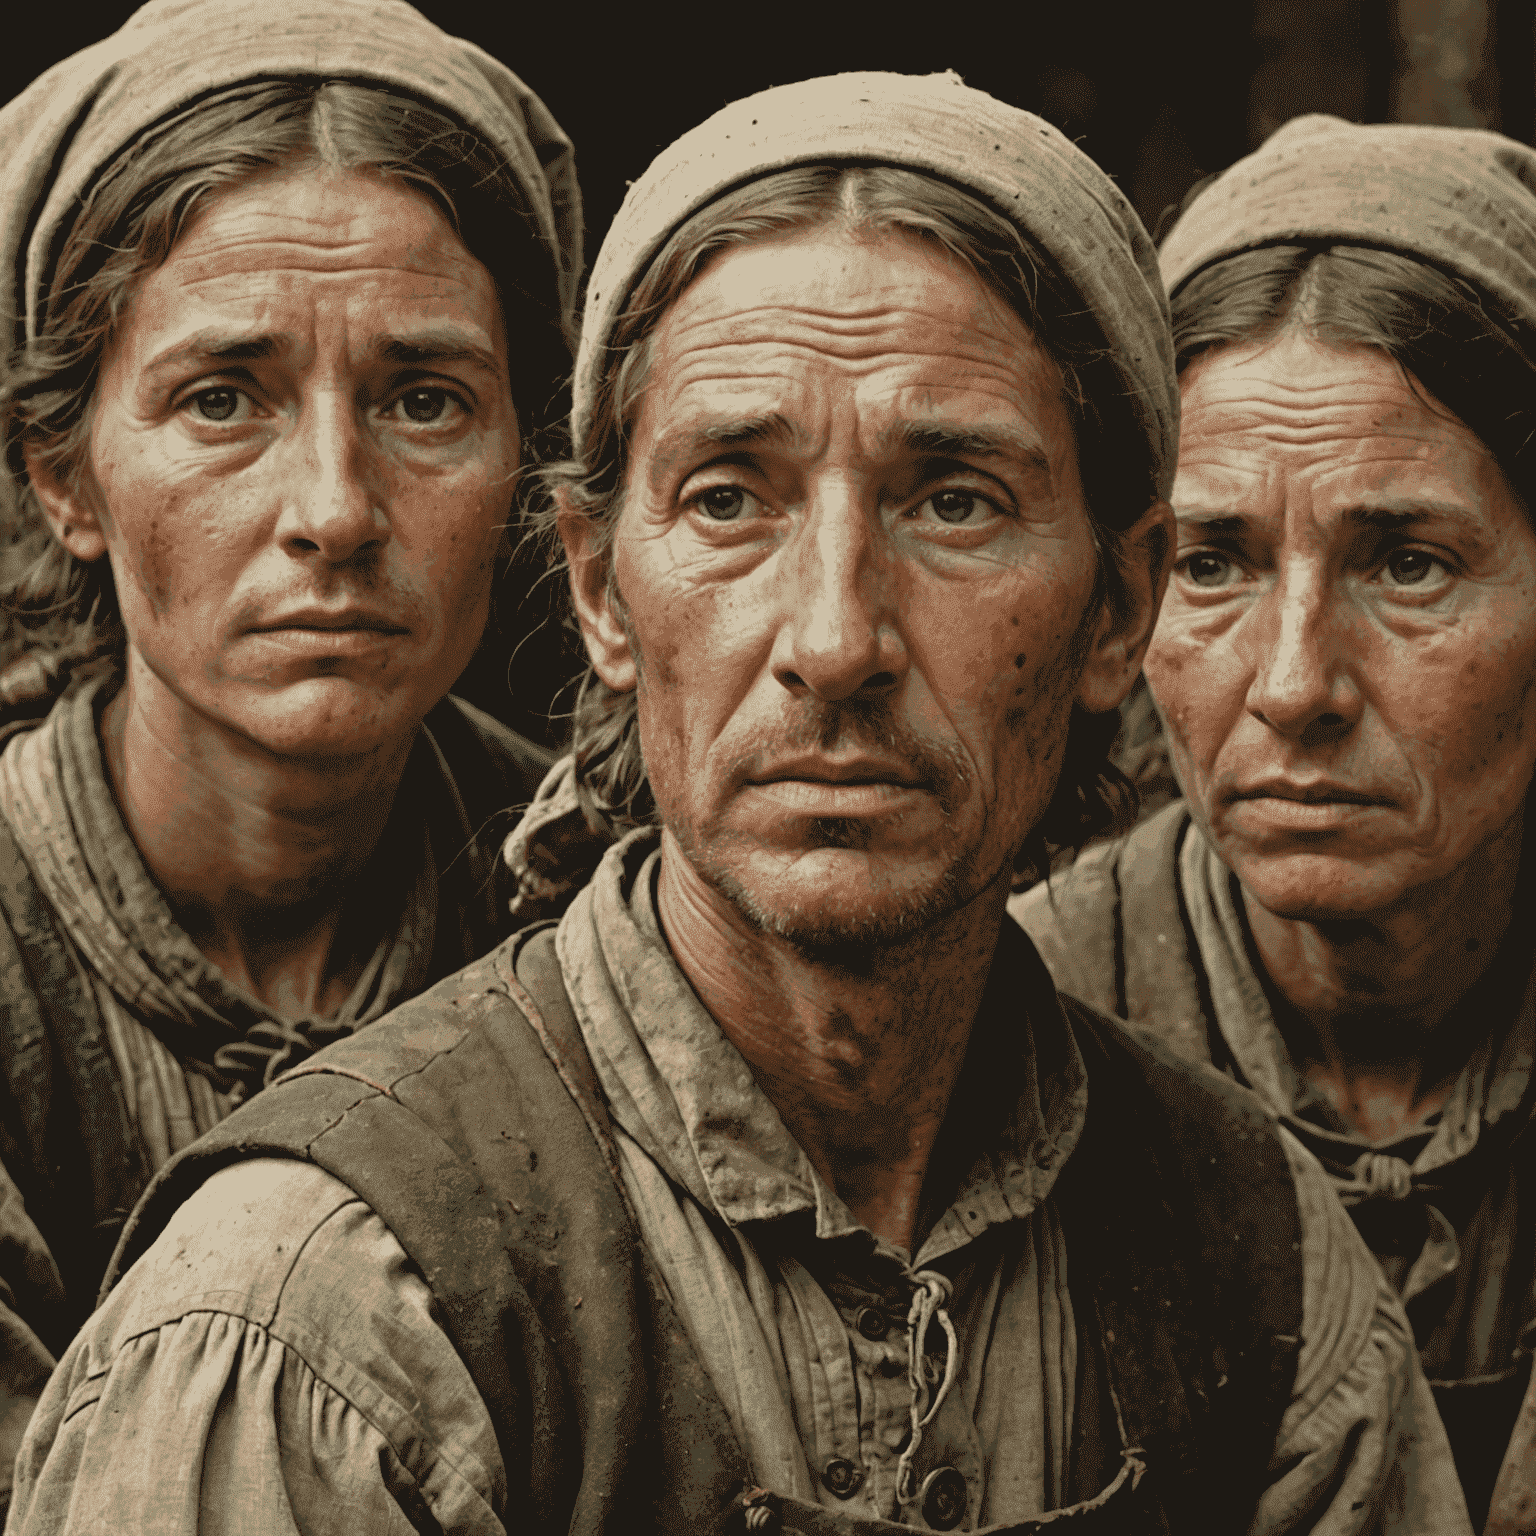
<point x="275" y="1335"/>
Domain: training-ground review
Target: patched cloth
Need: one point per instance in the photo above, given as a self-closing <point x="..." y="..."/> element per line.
<point x="69" y="125"/>
<point x="1462" y="199"/>
<point x="1014" y="161"/>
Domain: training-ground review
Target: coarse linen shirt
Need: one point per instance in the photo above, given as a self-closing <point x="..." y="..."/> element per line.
<point x="273" y="1363"/>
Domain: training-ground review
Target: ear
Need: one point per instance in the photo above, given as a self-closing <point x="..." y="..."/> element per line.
<point x="75" y="521"/>
<point x="1120" y="639"/>
<point x="607" y="641"/>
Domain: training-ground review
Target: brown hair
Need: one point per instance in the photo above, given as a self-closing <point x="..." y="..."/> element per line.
<point x="64" y="612"/>
<point x="1118" y="485"/>
<point x="1453" y="342"/>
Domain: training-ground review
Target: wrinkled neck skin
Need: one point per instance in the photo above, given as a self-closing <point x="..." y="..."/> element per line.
<point x="254" y="852"/>
<point x="859" y="1055"/>
<point x="1372" y="1001"/>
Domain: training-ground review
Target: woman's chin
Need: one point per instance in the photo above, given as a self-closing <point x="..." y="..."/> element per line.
<point x="1312" y="887"/>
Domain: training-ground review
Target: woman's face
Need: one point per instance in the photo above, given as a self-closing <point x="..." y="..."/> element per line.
<point x="303" y="447"/>
<point x="1346" y="656"/>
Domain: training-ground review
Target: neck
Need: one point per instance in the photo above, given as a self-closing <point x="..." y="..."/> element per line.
<point x="1369" y="1001"/>
<point x="859" y="1054"/>
<point x="255" y="852"/>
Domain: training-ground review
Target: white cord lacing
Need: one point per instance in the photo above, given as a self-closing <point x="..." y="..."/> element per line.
<point x="928" y="1303"/>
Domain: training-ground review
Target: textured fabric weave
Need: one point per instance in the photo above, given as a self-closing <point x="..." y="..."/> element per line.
<point x="1016" y="162"/>
<point x="1462" y="199"/>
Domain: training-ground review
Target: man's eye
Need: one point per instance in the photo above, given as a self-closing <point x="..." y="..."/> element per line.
<point x="1410" y="567"/>
<point x="957" y="506"/>
<point x="1207" y="569"/>
<point x="216" y="404"/>
<point x="723" y="503"/>
<point x="425" y="405"/>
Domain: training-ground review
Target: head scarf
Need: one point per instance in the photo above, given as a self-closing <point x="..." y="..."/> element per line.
<point x="1462" y="199"/>
<point x="1017" y="163"/>
<point x="73" y="121"/>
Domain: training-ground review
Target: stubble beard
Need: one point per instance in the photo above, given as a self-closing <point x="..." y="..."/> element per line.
<point x="882" y="918"/>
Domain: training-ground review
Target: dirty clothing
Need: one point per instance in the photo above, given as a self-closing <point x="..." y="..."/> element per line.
<point x="1152" y="928"/>
<point x="120" y="1043"/>
<point x="274" y="1363"/>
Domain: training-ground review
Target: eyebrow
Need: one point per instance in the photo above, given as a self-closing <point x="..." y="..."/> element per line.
<point x="748" y="431"/>
<point x="433" y="347"/>
<point x="219" y="346"/>
<point x="224" y="346"/>
<point x="936" y="440"/>
<point x="1384" y="519"/>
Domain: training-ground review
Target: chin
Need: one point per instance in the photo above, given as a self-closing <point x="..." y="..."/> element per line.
<point x="1319" y="888"/>
<point x="329" y="717"/>
<point x="837" y="902"/>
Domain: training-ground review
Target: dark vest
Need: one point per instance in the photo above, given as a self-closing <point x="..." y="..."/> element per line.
<point x="471" y="1121"/>
<point x="65" y="1137"/>
<point x="1114" y="932"/>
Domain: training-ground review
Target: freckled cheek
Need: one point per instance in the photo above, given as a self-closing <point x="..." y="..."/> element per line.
<point x="1200" y="692"/>
<point x="1479" y="731"/>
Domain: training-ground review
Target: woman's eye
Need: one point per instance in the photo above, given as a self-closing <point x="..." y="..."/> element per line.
<point x="1208" y="569"/>
<point x="426" y="406"/>
<point x="955" y="507"/>
<point x="722" y="503"/>
<point x="216" y="404"/>
<point x="1410" y="567"/>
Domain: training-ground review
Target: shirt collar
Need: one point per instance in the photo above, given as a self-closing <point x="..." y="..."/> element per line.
<point x="683" y="1092"/>
<point x="1492" y="1085"/>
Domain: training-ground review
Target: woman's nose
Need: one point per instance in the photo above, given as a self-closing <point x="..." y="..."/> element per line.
<point x="840" y="635"/>
<point x="1302" y="657"/>
<point x="333" y="502"/>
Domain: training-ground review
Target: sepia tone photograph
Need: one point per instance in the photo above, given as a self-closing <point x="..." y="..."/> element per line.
<point x="765" y="771"/>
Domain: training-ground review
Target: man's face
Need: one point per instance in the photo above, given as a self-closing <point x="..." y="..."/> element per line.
<point x="856" y="569"/>
<point x="302" y="448"/>
<point x="1346" y="654"/>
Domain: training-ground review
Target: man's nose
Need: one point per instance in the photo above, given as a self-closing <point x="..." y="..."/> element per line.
<point x="840" y="636"/>
<point x="1303" y="657"/>
<point x="333" y="506"/>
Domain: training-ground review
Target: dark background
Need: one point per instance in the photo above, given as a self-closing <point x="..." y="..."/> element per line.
<point x="1160" y="94"/>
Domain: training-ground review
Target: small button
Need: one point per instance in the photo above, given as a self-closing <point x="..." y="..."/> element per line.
<point x="872" y="1324"/>
<point x="943" y="1498"/>
<point x="843" y="1478"/>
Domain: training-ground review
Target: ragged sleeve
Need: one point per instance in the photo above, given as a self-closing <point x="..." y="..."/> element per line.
<point x="270" y="1367"/>
<point x="1361" y="1450"/>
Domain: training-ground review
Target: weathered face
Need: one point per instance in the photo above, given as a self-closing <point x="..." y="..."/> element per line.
<point x="857" y="569"/>
<point x="303" y="446"/>
<point x="1346" y="654"/>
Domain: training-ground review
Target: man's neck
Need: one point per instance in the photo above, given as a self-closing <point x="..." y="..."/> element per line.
<point x="858" y="1055"/>
<point x="253" y="851"/>
<point x="1364" y="1001"/>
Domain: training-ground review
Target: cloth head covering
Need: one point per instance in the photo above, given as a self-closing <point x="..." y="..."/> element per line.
<point x="1016" y="162"/>
<point x="1462" y="199"/>
<point x="73" y="121"/>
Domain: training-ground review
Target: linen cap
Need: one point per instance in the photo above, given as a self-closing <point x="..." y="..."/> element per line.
<point x="1020" y="165"/>
<point x="1462" y="199"/>
<point x="74" y="120"/>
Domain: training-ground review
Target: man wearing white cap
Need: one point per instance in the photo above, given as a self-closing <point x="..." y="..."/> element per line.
<point x="775" y="1187"/>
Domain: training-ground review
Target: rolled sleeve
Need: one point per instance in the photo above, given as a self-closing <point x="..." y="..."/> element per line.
<point x="1361" y="1450"/>
<point x="270" y="1367"/>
